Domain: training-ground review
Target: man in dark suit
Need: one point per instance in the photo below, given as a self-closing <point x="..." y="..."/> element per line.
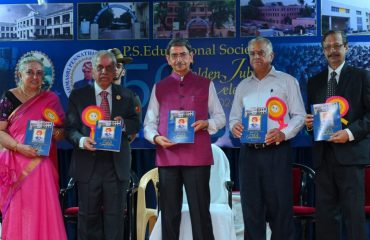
<point x="339" y="162"/>
<point x="102" y="177"/>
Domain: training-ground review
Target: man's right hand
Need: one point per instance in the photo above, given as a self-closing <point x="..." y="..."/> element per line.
<point x="308" y="121"/>
<point x="237" y="130"/>
<point x="163" y="141"/>
<point x="89" y="144"/>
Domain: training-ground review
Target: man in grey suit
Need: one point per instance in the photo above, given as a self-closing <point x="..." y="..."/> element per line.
<point x="102" y="177"/>
<point x="339" y="162"/>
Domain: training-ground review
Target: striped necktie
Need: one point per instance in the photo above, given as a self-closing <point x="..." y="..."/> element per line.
<point x="332" y="85"/>
<point x="104" y="105"/>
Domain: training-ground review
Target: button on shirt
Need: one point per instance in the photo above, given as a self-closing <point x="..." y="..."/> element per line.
<point x="252" y="92"/>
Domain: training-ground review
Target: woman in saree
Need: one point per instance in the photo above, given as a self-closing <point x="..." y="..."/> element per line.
<point x="28" y="182"/>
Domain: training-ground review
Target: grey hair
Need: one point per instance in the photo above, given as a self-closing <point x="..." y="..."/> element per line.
<point x="101" y="53"/>
<point x="261" y="39"/>
<point x="22" y="67"/>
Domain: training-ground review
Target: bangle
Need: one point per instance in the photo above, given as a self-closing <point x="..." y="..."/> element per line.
<point x="155" y="138"/>
<point x="15" y="147"/>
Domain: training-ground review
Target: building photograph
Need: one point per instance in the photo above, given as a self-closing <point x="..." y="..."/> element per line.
<point x="36" y="22"/>
<point x="196" y="19"/>
<point x="352" y="17"/>
<point x="278" y="18"/>
<point x="118" y="20"/>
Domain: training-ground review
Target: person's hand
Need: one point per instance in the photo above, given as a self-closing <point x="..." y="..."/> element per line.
<point x="26" y="150"/>
<point x="163" y="141"/>
<point x="89" y="144"/>
<point x="118" y="118"/>
<point x="308" y="121"/>
<point x="274" y="136"/>
<point x="340" y="136"/>
<point x="237" y="130"/>
<point x="200" y="124"/>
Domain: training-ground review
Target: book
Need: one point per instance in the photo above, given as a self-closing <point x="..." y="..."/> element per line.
<point x="179" y="126"/>
<point x="108" y="135"/>
<point x="326" y="120"/>
<point x="254" y="121"/>
<point x="39" y="135"/>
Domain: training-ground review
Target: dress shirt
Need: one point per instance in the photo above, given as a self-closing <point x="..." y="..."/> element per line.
<point x="217" y="116"/>
<point x="338" y="71"/>
<point x="252" y="92"/>
<point x="98" y="98"/>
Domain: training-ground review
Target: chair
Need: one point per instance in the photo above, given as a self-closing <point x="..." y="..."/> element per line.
<point x="70" y="213"/>
<point x="303" y="192"/>
<point x="220" y="208"/>
<point x="367" y="192"/>
<point x="146" y="215"/>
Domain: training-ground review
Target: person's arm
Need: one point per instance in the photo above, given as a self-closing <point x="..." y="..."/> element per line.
<point x="296" y="110"/>
<point x="151" y="122"/>
<point x="217" y="118"/>
<point x="131" y="118"/>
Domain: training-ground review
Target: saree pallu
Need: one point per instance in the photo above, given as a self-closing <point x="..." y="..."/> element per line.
<point x="29" y="187"/>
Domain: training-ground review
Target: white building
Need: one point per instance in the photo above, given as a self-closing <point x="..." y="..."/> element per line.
<point x="339" y="16"/>
<point x="35" y="25"/>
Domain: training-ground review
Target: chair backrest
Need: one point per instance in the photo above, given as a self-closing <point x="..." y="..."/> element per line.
<point x="367" y="185"/>
<point x="220" y="173"/>
<point x="303" y="185"/>
<point x="144" y="214"/>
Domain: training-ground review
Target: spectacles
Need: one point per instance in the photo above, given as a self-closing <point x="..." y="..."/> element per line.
<point x="109" y="68"/>
<point x="253" y="54"/>
<point x="37" y="73"/>
<point x="182" y="55"/>
<point x="336" y="47"/>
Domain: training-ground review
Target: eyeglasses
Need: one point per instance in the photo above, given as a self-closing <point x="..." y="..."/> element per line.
<point x="109" y="68"/>
<point x="175" y="56"/>
<point x="336" y="47"/>
<point x="253" y="54"/>
<point x="31" y="73"/>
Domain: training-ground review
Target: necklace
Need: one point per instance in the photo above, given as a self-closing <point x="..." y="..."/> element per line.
<point x="27" y="95"/>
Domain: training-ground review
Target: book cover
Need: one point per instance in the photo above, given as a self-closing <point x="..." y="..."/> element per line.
<point x="38" y="136"/>
<point x="326" y="120"/>
<point x="108" y="135"/>
<point x="254" y="121"/>
<point x="179" y="126"/>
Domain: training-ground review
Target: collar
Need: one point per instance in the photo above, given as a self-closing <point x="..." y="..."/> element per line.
<point x="178" y="77"/>
<point x="338" y="70"/>
<point x="272" y="73"/>
<point x="98" y="89"/>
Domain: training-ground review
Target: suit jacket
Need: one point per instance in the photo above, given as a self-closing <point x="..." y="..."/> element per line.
<point x="354" y="85"/>
<point x="83" y="161"/>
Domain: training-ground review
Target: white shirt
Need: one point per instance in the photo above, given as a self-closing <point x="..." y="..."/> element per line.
<point x="252" y="92"/>
<point x="338" y="71"/>
<point x="217" y="116"/>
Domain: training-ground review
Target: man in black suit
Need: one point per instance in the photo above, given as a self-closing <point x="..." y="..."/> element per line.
<point x="102" y="177"/>
<point x="339" y="162"/>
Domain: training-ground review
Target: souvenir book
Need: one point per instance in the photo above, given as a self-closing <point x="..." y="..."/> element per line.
<point x="254" y="121"/>
<point x="179" y="126"/>
<point x="108" y="135"/>
<point x="326" y="120"/>
<point x="38" y="136"/>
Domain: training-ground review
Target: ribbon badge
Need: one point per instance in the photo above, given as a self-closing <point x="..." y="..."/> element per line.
<point x="51" y="116"/>
<point x="277" y="109"/>
<point x="90" y="115"/>
<point x="343" y="106"/>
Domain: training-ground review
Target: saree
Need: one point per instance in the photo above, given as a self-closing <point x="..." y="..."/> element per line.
<point x="29" y="187"/>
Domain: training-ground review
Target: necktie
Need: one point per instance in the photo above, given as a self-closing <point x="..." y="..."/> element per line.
<point x="332" y="85"/>
<point x="104" y="105"/>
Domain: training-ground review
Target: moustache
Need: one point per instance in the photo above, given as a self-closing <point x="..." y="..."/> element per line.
<point x="333" y="55"/>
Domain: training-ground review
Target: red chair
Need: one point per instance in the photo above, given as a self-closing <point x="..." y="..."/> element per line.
<point x="303" y="195"/>
<point x="367" y="191"/>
